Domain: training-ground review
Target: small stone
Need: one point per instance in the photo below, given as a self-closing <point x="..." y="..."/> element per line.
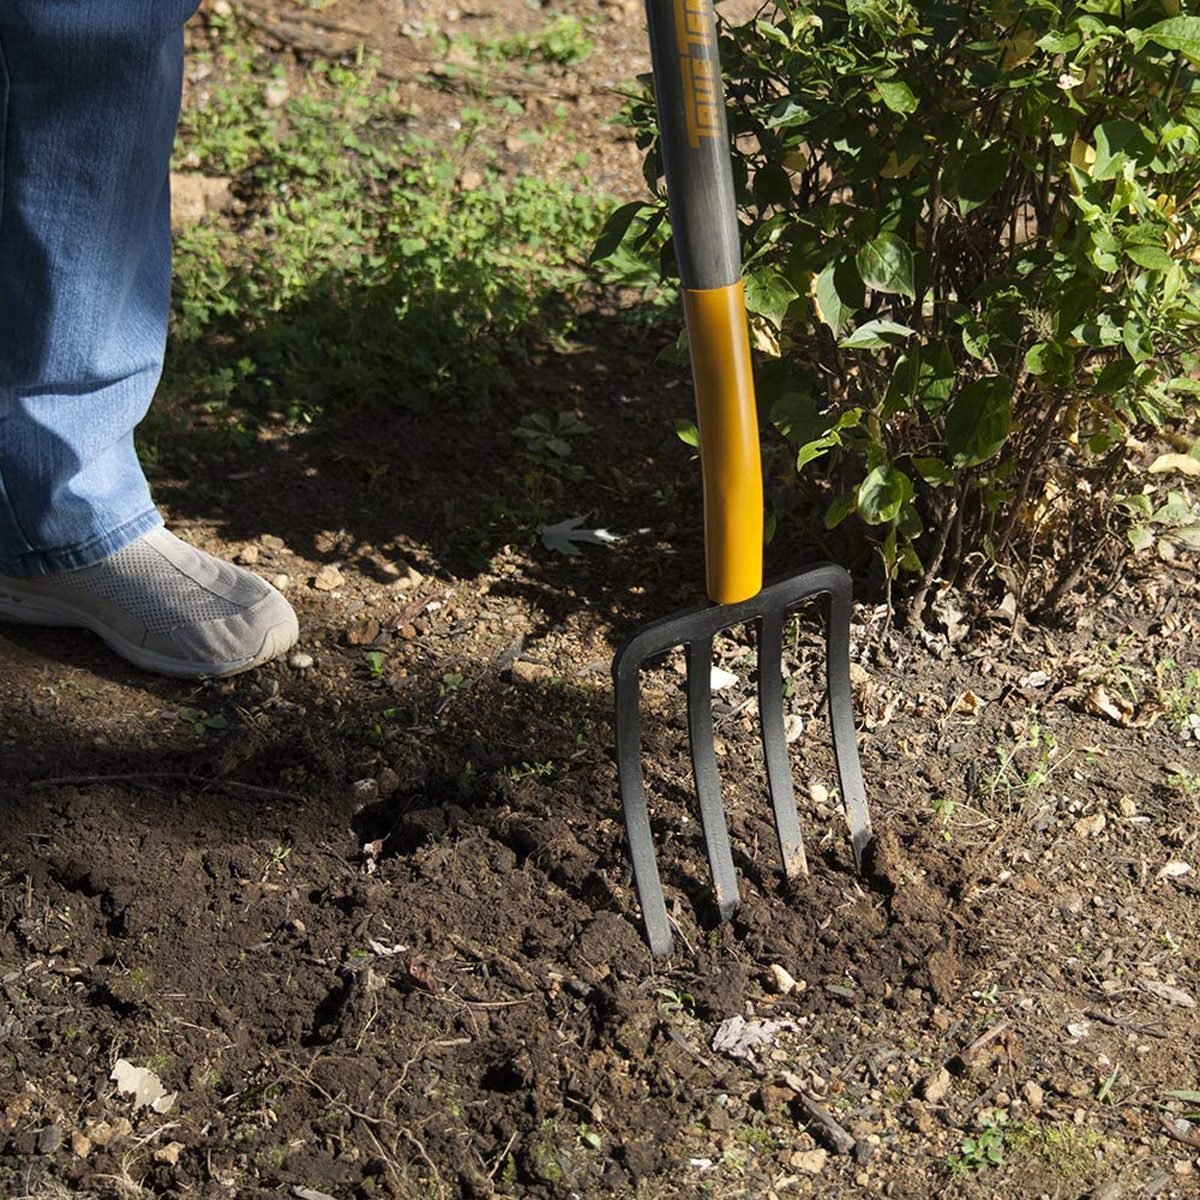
<point x="809" y="1162"/>
<point x="281" y="582"/>
<point x="934" y="1087"/>
<point x="194" y="196"/>
<point x="300" y="661"/>
<point x="269" y="541"/>
<point x="329" y="579"/>
<point x="49" y="1139"/>
<point x="1070" y="903"/>
<point x="793" y="727"/>
<point x="366" y="791"/>
<point x="470" y="180"/>
<point x="1035" y="1097"/>
<point x="248" y="556"/>
<point x="405" y="577"/>
<point x="81" y="1144"/>
<point x="818" y="793"/>
<point x="919" y="1116"/>
<point x="362" y="632"/>
<point x="780" y="980"/>
<point x="1090" y="826"/>
<point x="169" y="1153"/>
<point x="1126" y="807"/>
<point x="389" y="782"/>
<point x="530" y="672"/>
<point x="277" y="93"/>
<point x="1183" y="1166"/>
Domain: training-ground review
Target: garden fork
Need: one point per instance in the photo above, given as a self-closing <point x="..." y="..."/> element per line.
<point x="694" y="141"/>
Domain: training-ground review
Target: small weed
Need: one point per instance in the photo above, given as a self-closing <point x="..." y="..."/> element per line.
<point x="589" y="1137"/>
<point x="943" y="809"/>
<point x="376" y="662"/>
<point x="1024" y="770"/>
<point x="536" y="770"/>
<point x="983" y="1149"/>
<point x="672" y="1000"/>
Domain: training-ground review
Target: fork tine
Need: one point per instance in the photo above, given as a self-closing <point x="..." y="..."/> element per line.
<point x="841" y="717"/>
<point x="633" y="801"/>
<point x="774" y="743"/>
<point x="708" y="783"/>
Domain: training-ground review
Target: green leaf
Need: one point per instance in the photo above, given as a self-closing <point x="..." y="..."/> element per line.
<point x="830" y="438"/>
<point x="981" y="175"/>
<point x="978" y="421"/>
<point x="1176" y="33"/>
<point x="1115" y="376"/>
<point x="886" y="265"/>
<point x="882" y="494"/>
<point x="687" y="432"/>
<point x="897" y="95"/>
<point x="1048" y="358"/>
<point x="933" y="471"/>
<point x="877" y="335"/>
<point x="615" y="229"/>
<point x="839" y="295"/>
<point x="1185" y="1094"/>
<point x="1114" y="139"/>
<point x="1140" y="538"/>
<point x="1153" y="258"/>
<point x="769" y="294"/>
<point x="840" y="509"/>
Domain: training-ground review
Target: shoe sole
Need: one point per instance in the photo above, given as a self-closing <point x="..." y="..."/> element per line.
<point x="45" y="612"/>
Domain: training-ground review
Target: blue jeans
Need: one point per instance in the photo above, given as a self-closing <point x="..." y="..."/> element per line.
<point x="89" y="97"/>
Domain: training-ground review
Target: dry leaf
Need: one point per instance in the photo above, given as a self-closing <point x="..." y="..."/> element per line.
<point x="741" y="1039"/>
<point x="419" y="974"/>
<point x="1164" y="991"/>
<point x="1173" y="870"/>
<point x="1185" y="464"/>
<point x="968" y="704"/>
<point x="143" y="1085"/>
<point x="1102" y="704"/>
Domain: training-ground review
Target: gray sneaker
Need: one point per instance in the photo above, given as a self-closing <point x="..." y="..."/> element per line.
<point x="164" y="606"/>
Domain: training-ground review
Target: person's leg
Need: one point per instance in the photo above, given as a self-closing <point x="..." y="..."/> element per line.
<point x="89" y="96"/>
<point x="89" y="92"/>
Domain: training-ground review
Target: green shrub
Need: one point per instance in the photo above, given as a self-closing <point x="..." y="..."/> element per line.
<point x="970" y="233"/>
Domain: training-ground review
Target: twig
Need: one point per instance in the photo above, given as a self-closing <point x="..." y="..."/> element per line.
<point x="839" y="1139"/>
<point x="1172" y="1130"/>
<point x="229" y="785"/>
<point x="502" y="1156"/>
<point x="1104" y="1018"/>
<point x="970" y="1052"/>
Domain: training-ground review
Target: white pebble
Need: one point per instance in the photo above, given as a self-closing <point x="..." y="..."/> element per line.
<point x="300" y="661"/>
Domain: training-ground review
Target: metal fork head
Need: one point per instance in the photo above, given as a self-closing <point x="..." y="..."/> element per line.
<point x="696" y="630"/>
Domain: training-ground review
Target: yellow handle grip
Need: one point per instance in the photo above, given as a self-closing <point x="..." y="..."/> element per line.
<point x="719" y="341"/>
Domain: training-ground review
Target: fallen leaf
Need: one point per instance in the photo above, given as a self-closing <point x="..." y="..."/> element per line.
<point x="1164" y="991"/>
<point x="1173" y="870"/>
<point x="143" y="1085"/>
<point x="1101" y="703"/>
<point x="968" y="704"/>
<point x="564" y="537"/>
<point x="169" y="1153"/>
<point x="419" y="974"/>
<point x="742" y="1039"/>
<point x="721" y="678"/>
<point x="1185" y="464"/>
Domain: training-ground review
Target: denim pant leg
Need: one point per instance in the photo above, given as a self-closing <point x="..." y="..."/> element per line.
<point x="89" y="97"/>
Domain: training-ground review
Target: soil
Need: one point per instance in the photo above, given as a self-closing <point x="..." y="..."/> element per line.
<point x="368" y="914"/>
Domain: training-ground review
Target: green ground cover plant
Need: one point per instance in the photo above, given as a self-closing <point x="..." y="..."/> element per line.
<point x="360" y="269"/>
<point x="972" y="257"/>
